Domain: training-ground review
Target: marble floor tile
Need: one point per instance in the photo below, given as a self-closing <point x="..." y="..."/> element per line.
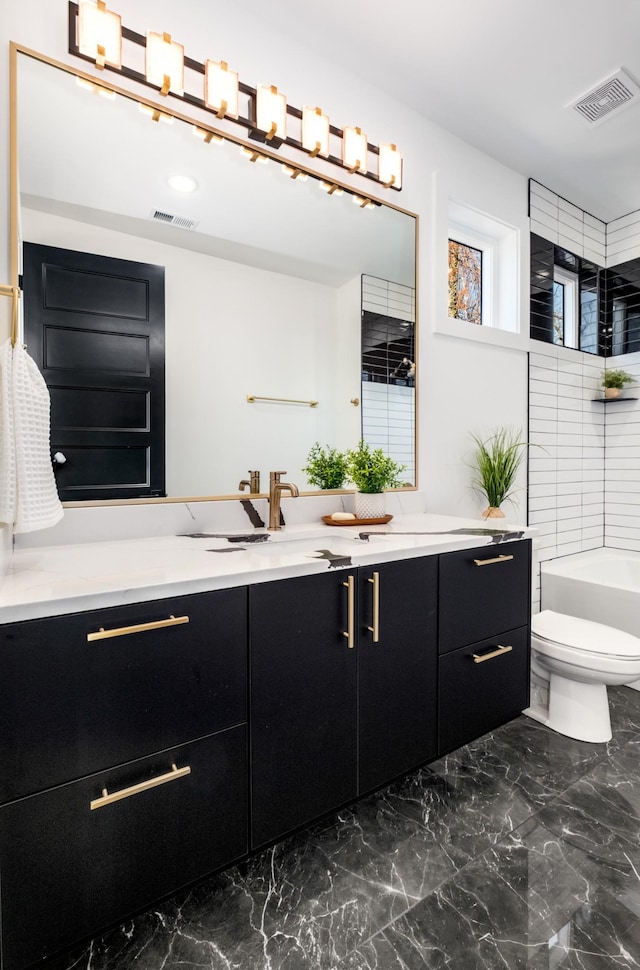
<point x="520" y="851"/>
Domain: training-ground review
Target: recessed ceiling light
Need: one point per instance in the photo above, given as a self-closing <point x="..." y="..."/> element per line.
<point x="182" y="183"/>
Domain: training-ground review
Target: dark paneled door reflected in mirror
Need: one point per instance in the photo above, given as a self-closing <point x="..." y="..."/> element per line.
<point x="95" y="328"/>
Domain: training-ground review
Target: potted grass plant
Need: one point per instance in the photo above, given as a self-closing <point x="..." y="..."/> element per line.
<point x="614" y="381"/>
<point x="371" y="471"/>
<point x="496" y="460"/>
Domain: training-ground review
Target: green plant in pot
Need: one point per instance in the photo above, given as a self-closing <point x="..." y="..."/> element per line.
<point x="371" y="471"/>
<point x="614" y="381"/>
<point x="326" y="467"/>
<point x="496" y="460"/>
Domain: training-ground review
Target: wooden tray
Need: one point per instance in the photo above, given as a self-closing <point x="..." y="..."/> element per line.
<point x="379" y="521"/>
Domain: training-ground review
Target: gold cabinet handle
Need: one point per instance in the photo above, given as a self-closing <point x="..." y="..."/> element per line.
<point x="124" y="631"/>
<point x="351" y="611"/>
<point x="116" y="796"/>
<point x="487" y="562"/>
<point x="479" y="658"/>
<point x="375" y="629"/>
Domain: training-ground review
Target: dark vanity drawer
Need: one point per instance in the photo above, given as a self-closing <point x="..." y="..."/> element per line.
<point x="71" y="705"/>
<point x="482" y="686"/>
<point x="69" y="870"/>
<point x="483" y="591"/>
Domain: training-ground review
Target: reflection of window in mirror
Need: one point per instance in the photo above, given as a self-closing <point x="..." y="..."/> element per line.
<point x="465" y="282"/>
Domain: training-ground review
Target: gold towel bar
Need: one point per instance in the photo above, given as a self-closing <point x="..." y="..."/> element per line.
<point x="124" y="631"/>
<point x="116" y="796"/>
<point x="14" y="293"/>
<point x="251" y="398"/>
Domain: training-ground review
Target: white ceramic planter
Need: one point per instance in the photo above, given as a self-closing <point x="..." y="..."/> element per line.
<point x="369" y="505"/>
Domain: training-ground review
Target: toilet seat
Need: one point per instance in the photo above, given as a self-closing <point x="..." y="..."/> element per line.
<point x="589" y="638"/>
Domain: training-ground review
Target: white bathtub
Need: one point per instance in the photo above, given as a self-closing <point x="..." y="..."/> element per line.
<point x="601" y="585"/>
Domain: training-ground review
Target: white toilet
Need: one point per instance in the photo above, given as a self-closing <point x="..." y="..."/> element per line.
<point x="572" y="662"/>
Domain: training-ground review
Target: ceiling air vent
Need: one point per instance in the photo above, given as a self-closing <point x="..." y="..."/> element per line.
<point x="617" y="92"/>
<point x="180" y="221"/>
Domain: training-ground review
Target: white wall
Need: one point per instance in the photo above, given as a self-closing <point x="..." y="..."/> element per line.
<point x="622" y="467"/>
<point x="567" y="460"/>
<point x="464" y="385"/>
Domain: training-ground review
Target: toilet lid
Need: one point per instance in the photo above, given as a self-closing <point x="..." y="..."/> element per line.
<point x="573" y="631"/>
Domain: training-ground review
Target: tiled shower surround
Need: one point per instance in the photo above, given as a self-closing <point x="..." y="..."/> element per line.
<point x="584" y="463"/>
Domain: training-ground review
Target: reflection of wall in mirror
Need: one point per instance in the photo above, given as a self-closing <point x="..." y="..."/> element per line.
<point x="233" y="330"/>
<point x="389" y="370"/>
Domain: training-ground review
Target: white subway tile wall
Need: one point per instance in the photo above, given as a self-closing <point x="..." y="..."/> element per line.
<point x="567" y="453"/>
<point x="622" y="466"/>
<point x="606" y="244"/>
<point x="557" y="220"/>
<point x="623" y="239"/>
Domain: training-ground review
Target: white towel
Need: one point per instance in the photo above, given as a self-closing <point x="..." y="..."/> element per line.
<point x="7" y="450"/>
<point x="37" y="502"/>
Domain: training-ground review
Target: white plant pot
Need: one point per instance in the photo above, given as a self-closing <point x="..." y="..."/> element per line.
<point x="369" y="505"/>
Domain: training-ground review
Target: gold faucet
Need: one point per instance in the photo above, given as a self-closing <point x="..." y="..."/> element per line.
<point x="276" y="488"/>
<point x="253" y="483"/>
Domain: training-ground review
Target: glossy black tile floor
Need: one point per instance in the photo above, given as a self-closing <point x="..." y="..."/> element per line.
<point x="521" y="850"/>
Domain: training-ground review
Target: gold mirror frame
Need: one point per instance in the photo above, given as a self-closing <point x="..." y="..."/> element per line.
<point x="14" y="210"/>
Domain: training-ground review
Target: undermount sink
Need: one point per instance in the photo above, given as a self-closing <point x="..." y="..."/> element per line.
<point x="326" y="547"/>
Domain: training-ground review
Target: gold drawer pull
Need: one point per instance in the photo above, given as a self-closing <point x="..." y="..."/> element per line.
<point x="479" y="658"/>
<point x="375" y="629"/>
<point x="116" y="796"/>
<point x="124" y="631"/>
<point x="351" y="611"/>
<point x="487" y="562"/>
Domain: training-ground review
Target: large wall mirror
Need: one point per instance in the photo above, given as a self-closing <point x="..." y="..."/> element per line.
<point x="267" y="280"/>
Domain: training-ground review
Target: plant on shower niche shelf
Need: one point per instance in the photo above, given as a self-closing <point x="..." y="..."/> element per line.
<point x="614" y="381"/>
<point x="326" y="467"/>
<point x="496" y="460"/>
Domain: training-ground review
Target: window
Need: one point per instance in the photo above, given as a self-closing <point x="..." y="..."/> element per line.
<point x="465" y="282"/>
<point x="565" y="308"/>
<point x="477" y="292"/>
<point x="619" y="324"/>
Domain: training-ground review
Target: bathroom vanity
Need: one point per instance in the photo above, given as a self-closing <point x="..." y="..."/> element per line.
<point x="234" y="697"/>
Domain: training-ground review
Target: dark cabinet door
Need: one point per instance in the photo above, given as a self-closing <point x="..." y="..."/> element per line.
<point x="71" y="705"/>
<point x="68" y="869"/>
<point x="303" y="700"/>
<point x="398" y="673"/>
<point x="483" y="686"/>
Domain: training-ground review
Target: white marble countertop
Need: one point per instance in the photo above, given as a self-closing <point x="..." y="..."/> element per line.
<point x="53" y="580"/>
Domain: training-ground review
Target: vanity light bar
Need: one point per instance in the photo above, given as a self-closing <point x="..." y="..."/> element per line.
<point x="96" y="35"/>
